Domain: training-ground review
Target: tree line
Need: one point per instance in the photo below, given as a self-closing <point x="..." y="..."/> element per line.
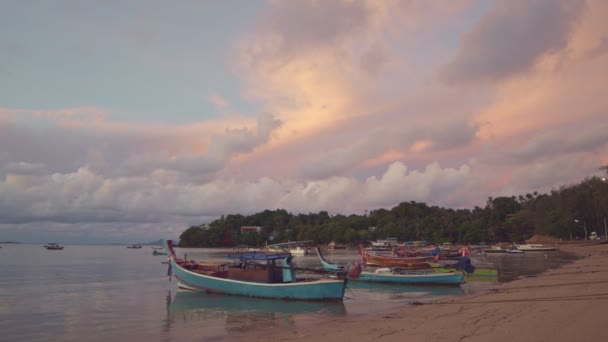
<point x="570" y="212"/>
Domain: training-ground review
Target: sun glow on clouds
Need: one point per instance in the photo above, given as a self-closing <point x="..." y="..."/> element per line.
<point x="357" y="115"/>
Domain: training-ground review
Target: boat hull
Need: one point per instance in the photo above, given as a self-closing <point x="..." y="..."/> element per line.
<point x="536" y="248"/>
<point x="379" y="260"/>
<point x="323" y="289"/>
<point x="447" y="278"/>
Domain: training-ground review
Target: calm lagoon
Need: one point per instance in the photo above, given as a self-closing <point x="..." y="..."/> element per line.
<point x="101" y="293"/>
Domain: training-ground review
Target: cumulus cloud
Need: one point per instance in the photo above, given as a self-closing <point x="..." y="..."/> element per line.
<point x="510" y="40"/>
<point x="360" y="121"/>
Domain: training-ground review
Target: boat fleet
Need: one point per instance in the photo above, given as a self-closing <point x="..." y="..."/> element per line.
<point x="271" y="272"/>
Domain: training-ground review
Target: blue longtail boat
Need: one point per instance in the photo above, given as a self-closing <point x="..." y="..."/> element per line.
<point x="254" y="274"/>
<point x="399" y="275"/>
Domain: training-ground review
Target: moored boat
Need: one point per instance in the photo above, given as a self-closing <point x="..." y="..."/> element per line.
<point x="406" y="276"/>
<point x="53" y="246"/>
<point x="134" y="246"/>
<point x="254" y="274"/>
<point x="494" y="249"/>
<point x="514" y="251"/>
<point x="155" y="252"/>
<point x="400" y="275"/>
<point x="536" y="247"/>
<point x="372" y="259"/>
<point x="293" y="247"/>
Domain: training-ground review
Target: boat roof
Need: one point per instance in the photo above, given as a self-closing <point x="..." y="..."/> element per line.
<point x="291" y="243"/>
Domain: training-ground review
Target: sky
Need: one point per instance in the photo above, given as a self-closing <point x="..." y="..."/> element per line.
<point x="130" y="121"/>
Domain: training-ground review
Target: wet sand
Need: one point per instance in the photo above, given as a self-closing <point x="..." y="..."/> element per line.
<point x="565" y="304"/>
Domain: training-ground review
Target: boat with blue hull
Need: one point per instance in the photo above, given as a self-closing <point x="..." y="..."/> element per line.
<point x="392" y="275"/>
<point x="398" y="275"/>
<point x="254" y="274"/>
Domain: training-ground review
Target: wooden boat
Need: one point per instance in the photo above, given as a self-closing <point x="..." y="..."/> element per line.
<point x="478" y="272"/>
<point x="53" y="246"/>
<point x="388" y="261"/>
<point x="407" y="251"/>
<point x="536" y="247"/>
<point x="399" y="275"/>
<point x="407" y="276"/>
<point x="256" y="274"/>
<point x="328" y="266"/>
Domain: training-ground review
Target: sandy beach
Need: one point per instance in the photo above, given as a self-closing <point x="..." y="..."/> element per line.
<point x="565" y="304"/>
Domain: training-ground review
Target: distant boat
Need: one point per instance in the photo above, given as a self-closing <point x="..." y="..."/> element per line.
<point x="333" y="245"/>
<point x="53" y="246"/>
<point x="389" y="261"/>
<point x="155" y="252"/>
<point x="254" y="274"/>
<point x="536" y="247"/>
<point x="134" y="246"/>
<point x="293" y="247"/>
<point x="494" y="249"/>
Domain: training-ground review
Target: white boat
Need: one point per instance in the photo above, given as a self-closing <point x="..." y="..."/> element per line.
<point x="293" y="247"/>
<point x="53" y="246"/>
<point x="514" y="251"/>
<point x="388" y="242"/>
<point x="299" y="250"/>
<point x="494" y="249"/>
<point x="536" y="247"/>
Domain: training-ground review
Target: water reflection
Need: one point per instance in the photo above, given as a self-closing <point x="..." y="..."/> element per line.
<point x="513" y="266"/>
<point x="400" y="291"/>
<point x="240" y="314"/>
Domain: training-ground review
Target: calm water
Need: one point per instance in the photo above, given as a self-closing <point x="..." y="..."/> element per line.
<point x="100" y="293"/>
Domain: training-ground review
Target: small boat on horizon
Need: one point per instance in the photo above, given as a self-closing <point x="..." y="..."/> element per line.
<point x="53" y="246"/>
<point x="134" y="246"/>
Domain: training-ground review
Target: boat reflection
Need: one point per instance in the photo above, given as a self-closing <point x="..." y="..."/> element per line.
<point x="401" y="291"/>
<point x="240" y="314"/>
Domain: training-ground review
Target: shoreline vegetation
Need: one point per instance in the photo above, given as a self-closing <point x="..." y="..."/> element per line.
<point x="573" y="212"/>
<point x="563" y="304"/>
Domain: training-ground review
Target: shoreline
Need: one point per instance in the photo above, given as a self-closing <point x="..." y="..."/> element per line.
<point x="563" y="304"/>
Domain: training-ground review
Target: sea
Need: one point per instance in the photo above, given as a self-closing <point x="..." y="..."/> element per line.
<point x="113" y="293"/>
